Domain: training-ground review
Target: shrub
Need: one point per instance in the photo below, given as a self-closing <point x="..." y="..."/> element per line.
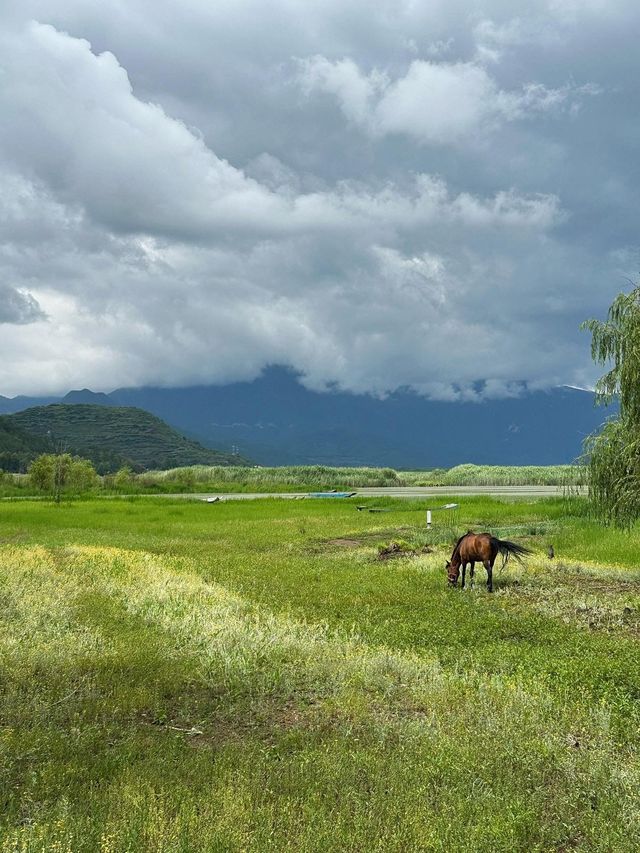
<point x="59" y="473"/>
<point x="123" y="478"/>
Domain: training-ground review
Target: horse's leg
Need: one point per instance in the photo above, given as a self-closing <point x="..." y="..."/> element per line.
<point x="464" y="573"/>
<point x="472" y="572"/>
<point x="489" y="567"/>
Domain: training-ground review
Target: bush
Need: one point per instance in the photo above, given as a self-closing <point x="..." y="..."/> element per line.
<point x="123" y="478"/>
<point x="62" y="473"/>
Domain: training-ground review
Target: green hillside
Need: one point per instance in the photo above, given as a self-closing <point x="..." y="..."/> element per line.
<point x="111" y="437"/>
<point x="18" y="447"/>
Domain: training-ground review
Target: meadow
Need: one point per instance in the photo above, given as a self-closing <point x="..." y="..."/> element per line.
<point x="252" y="675"/>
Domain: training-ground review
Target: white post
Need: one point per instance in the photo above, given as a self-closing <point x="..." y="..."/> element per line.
<point x="428" y="518"/>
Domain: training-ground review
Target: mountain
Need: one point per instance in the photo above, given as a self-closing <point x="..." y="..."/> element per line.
<point x="275" y="420"/>
<point x="9" y="405"/>
<point x="86" y="396"/>
<point x="18" y="447"/>
<point x="113" y="436"/>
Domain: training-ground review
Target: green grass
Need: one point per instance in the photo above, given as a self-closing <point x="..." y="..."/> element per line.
<point x="250" y="676"/>
<point x="239" y="478"/>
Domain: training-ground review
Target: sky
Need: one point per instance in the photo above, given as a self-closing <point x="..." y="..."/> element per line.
<point x="430" y="195"/>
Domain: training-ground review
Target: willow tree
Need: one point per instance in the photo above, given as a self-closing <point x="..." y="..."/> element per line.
<point x="614" y="452"/>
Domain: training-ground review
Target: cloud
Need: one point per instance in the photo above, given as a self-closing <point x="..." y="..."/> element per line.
<point x="429" y="198"/>
<point x="494" y="39"/>
<point x="434" y="102"/>
<point x="18" y="307"/>
<point x="369" y="316"/>
<point x="73" y="122"/>
<point x="356" y="92"/>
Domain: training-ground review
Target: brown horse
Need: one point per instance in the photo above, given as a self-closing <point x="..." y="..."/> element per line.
<point x="482" y="548"/>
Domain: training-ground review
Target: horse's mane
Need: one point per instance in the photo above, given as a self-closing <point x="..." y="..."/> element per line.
<point x="457" y="545"/>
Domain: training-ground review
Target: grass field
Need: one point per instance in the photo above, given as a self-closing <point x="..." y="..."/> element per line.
<point x="252" y="676"/>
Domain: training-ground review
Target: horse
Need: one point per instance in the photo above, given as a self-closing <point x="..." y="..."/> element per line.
<point x="484" y="548"/>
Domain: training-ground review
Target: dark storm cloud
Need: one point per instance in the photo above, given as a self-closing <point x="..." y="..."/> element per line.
<point x="406" y="193"/>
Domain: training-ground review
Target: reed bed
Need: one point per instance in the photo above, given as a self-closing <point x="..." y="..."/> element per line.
<point x="321" y="477"/>
<point x="307" y="478"/>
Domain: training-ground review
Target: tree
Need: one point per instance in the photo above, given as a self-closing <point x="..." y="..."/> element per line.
<point x="41" y="472"/>
<point x="614" y="452"/>
<point x="60" y="472"/>
<point x="82" y="476"/>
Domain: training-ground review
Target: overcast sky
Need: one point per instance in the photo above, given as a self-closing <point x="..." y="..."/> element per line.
<point x="424" y="193"/>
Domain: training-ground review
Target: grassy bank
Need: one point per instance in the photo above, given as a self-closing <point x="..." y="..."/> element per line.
<point x="203" y="478"/>
<point x="320" y="477"/>
<point x="250" y="676"/>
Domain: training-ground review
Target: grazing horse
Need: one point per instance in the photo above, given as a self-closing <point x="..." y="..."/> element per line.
<point x="483" y="548"/>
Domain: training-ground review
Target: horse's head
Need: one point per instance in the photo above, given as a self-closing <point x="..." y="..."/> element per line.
<point x="453" y="573"/>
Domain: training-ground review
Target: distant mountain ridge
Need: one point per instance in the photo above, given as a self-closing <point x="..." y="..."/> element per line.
<point x="89" y="397"/>
<point x="275" y="420"/>
<point x="110" y="436"/>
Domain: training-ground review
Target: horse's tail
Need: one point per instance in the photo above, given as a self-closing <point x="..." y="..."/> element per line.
<point x="508" y="549"/>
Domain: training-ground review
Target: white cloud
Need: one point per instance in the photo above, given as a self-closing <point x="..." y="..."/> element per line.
<point x="356" y="92"/>
<point x="440" y="102"/>
<point x="72" y="120"/>
<point x="434" y="102"/>
<point x="494" y="39"/>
